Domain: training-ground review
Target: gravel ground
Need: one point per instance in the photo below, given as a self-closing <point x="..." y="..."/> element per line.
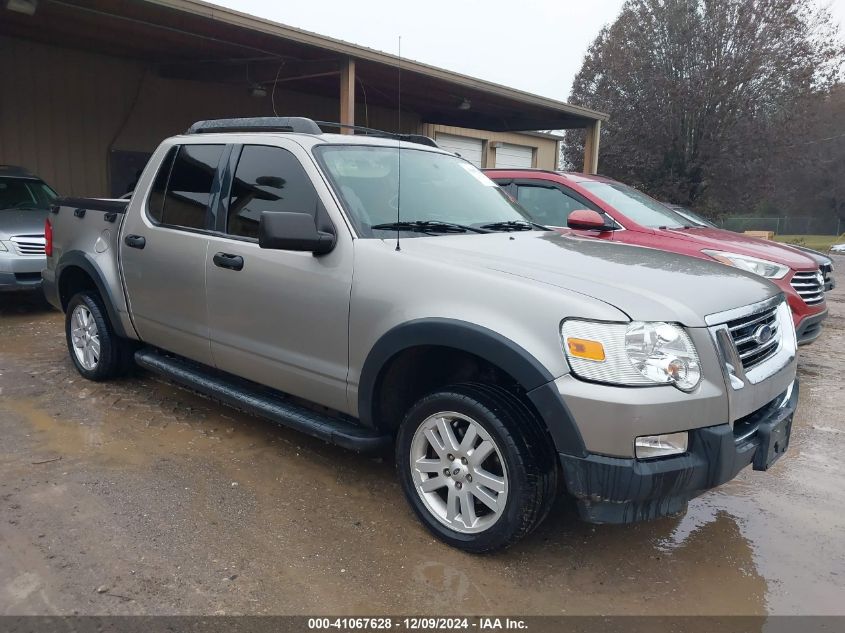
<point x="136" y="497"/>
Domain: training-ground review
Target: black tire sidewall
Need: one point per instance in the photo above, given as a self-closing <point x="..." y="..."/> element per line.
<point x="503" y="531"/>
<point x="108" y="363"/>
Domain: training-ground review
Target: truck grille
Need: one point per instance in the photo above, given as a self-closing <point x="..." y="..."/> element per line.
<point x="810" y="285"/>
<point x="755" y="336"/>
<point x="28" y="244"/>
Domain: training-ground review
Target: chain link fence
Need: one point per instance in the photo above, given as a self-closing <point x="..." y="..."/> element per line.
<point x="793" y="225"/>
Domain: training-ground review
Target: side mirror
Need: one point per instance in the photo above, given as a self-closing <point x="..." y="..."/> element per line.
<point x="293" y="232"/>
<point x="586" y="220"/>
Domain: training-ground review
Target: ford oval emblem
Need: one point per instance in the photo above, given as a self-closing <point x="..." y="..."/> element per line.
<point x="763" y="334"/>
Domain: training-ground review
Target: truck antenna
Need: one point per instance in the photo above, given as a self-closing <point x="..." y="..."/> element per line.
<point x="399" y="144"/>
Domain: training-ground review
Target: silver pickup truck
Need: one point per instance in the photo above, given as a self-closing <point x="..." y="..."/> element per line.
<point x="377" y="291"/>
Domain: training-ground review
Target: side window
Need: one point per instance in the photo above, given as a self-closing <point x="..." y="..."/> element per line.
<point x="267" y="179"/>
<point x="548" y="205"/>
<point x="155" y="203"/>
<point x="189" y="187"/>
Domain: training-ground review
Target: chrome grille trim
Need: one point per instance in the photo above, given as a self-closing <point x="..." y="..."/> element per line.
<point x="743" y="331"/>
<point x="809" y="285"/>
<point x="746" y="323"/>
<point x="718" y="318"/>
<point x="757" y="350"/>
<point x="28" y="244"/>
<point x="744" y="361"/>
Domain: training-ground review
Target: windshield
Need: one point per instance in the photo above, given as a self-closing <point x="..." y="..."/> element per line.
<point x="694" y="217"/>
<point x="435" y="188"/>
<point x="21" y="193"/>
<point x="636" y="205"/>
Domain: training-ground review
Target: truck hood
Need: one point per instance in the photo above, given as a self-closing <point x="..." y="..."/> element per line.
<point x="21" y="222"/>
<point x="644" y="283"/>
<point x="721" y="240"/>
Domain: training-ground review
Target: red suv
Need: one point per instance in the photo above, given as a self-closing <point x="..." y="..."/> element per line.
<point x="610" y="210"/>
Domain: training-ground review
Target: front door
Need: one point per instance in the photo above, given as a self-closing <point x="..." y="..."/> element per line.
<point x="278" y="318"/>
<point x="164" y="251"/>
<point x="550" y="204"/>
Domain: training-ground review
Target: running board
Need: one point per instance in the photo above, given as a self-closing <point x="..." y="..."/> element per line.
<point x="262" y="401"/>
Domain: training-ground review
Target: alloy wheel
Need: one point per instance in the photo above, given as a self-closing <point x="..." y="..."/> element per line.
<point x="458" y="472"/>
<point x="85" y="338"/>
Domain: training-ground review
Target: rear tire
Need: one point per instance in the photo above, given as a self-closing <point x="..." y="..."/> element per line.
<point x="96" y="351"/>
<point x="476" y="466"/>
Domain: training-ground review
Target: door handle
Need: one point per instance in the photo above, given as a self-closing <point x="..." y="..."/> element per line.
<point x="225" y="260"/>
<point x="135" y="241"/>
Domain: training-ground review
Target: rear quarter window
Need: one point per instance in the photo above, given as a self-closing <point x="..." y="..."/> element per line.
<point x="182" y="189"/>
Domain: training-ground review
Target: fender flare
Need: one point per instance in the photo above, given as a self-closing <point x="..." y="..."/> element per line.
<point x="82" y="260"/>
<point x="532" y="376"/>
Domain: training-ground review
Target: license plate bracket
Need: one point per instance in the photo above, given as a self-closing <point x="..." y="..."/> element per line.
<point x="774" y="440"/>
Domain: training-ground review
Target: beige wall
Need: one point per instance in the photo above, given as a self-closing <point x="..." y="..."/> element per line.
<point x="60" y="110"/>
<point x="63" y="111"/>
<point x="545" y="149"/>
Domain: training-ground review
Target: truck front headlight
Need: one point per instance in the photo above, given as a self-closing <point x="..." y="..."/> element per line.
<point x="3" y="248"/>
<point x="664" y="353"/>
<point x="633" y="354"/>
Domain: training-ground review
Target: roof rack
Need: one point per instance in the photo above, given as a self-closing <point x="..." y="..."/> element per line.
<point x="411" y="138"/>
<point x="297" y="124"/>
<point x="300" y="125"/>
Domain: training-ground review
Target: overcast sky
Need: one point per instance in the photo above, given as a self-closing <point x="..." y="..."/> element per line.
<point x="533" y="45"/>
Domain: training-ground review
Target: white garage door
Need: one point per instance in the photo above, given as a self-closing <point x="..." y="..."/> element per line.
<point x="468" y="148"/>
<point x="514" y="156"/>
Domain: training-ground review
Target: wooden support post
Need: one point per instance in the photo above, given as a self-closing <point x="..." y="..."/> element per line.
<point x="591" y="148"/>
<point x="347" y="94"/>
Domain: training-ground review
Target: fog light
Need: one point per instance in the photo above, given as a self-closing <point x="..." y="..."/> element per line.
<point x="651" y="446"/>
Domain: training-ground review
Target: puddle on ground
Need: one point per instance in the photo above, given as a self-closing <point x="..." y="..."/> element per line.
<point x="764" y="543"/>
<point x="126" y="433"/>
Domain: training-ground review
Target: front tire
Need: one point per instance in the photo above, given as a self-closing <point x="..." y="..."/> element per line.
<point x="476" y="466"/>
<point x="96" y="351"/>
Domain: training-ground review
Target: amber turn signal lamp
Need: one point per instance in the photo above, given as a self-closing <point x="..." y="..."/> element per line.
<point x="583" y="348"/>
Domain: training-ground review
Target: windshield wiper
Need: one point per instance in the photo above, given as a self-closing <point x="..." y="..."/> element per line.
<point x="514" y="225"/>
<point x="428" y="226"/>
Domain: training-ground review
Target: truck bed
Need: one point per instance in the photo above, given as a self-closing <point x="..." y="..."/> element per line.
<point x="86" y="234"/>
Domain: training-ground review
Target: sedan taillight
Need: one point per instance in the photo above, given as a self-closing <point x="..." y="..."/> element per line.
<point x="48" y="238"/>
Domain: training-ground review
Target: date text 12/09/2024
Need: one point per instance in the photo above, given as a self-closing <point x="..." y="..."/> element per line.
<point x="413" y="624"/>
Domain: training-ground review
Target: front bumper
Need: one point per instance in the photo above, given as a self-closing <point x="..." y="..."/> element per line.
<point x="622" y="490"/>
<point x="809" y="329"/>
<point x="807" y="318"/>
<point x="11" y="282"/>
<point x="20" y="272"/>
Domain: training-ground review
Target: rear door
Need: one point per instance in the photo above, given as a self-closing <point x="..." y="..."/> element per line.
<point x="164" y="251"/>
<point x="279" y="318"/>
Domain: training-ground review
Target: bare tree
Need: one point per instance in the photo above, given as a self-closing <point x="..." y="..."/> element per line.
<point x="809" y="168"/>
<point x="702" y="92"/>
